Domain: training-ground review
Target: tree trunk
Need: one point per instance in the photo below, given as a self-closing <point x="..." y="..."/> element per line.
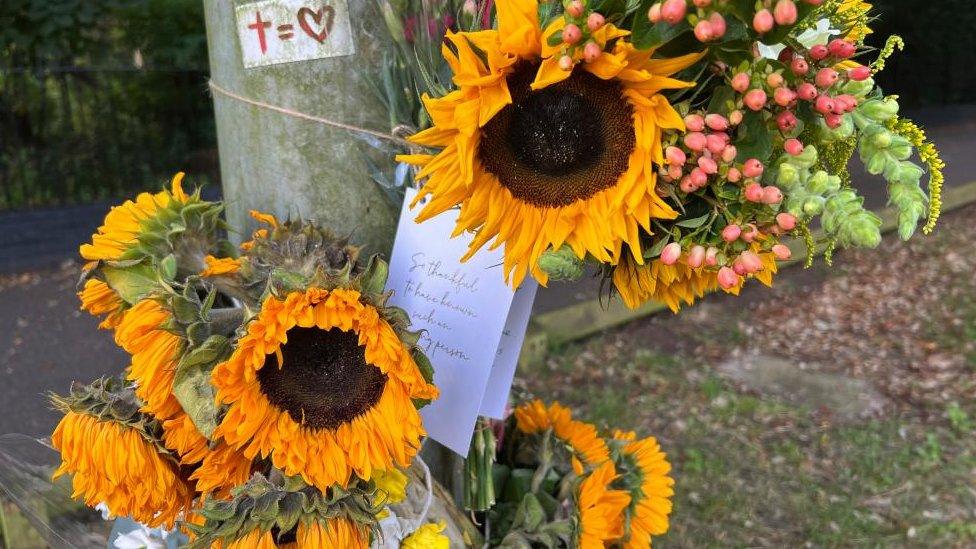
<point x="287" y="166"/>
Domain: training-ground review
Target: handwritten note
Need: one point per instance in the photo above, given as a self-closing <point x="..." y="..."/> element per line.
<point x="284" y="31"/>
<point x="463" y="308"/>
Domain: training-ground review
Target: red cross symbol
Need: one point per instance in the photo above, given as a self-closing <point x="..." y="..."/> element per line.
<point x="259" y="26"/>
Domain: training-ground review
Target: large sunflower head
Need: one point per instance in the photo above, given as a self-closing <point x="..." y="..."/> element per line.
<point x="599" y="509"/>
<point x="114" y="455"/>
<point x="645" y="475"/>
<point x="539" y="152"/>
<point x="580" y="440"/>
<point x="269" y="514"/>
<point x="324" y="384"/>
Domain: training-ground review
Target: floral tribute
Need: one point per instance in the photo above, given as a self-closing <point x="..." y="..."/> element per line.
<point x="272" y="399"/>
<point x="681" y="146"/>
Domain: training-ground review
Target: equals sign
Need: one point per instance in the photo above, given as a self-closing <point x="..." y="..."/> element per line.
<point x="285" y="32"/>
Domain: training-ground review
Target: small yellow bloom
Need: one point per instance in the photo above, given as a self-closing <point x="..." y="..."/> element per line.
<point x="428" y="536"/>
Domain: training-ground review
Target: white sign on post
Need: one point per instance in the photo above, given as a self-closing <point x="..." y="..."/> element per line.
<point x="464" y="309"/>
<point x="283" y="31"/>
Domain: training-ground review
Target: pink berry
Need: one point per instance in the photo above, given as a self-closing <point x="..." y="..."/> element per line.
<point x="696" y="257"/>
<point x="786" y="121"/>
<point x="752" y="168"/>
<point x="695" y="141"/>
<point x="714" y="143"/>
<point x="740" y="82"/>
<point x="839" y="47"/>
<point x="819" y="52"/>
<point x="731" y="233"/>
<point x="799" y="66"/>
<point x="729" y="153"/>
<point x="704" y="31"/>
<point x="753" y="192"/>
<point x="575" y="8"/>
<point x="783" y="96"/>
<point x="763" y="21"/>
<point x="847" y="102"/>
<point x="719" y="26"/>
<point x="782" y="252"/>
<point x="793" y="147"/>
<point x="699" y="178"/>
<point x="739" y="267"/>
<point x="751" y="261"/>
<point x="771" y="195"/>
<point x="695" y="122"/>
<point x="566" y="63"/>
<point x="807" y="91"/>
<point x="675" y="156"/>
<point x="686" y="185"/>
<point x="717" y="122"/>
<point x="750" y="233"/>
<point x="859" y="73"/>
<point x="708" y="165"/>
<point x="824" y="104"/>
<point x="595" y="21"/>
<point x="826" y="77"/>
<point x="592" y="51"/>
<point x="711" y="256"/>
<point x="755" y="99"/>
<point x="572" y="34"/>
<point x="786" y="221"/>
<point x="774" y="80"/>
<point x="785" y="12"/>
<point x="734" y="175"/>
<point x="814" y="2"/>
<point x="735" y="117"/>
<point x="727" y="278"/>
<point x="675" y="172"/>
<point x="671" y="253"/>
<point x="654" y="13"/>
<point x="702" y="3"/>
<point x="673" y="11"/>
<point x="833" y="121"/>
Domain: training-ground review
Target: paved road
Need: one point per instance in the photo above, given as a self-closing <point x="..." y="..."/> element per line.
<point x="45" y="342"/>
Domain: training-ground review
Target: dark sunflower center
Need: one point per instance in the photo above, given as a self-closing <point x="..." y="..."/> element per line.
<point x="561" y="144"/>
<point x="325" y="381"/>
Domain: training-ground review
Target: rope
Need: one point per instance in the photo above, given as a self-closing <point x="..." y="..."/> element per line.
<point x="296" y="114"/>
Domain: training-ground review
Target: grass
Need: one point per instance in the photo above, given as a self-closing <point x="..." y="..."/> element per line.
<point x="752" y="471"/>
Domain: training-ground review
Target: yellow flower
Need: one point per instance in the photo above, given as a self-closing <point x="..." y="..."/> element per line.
<point x="218" y="266"/>
<point x="112" y="463"/>
<point x="123" y="224"/>
<point x="428" y="536"/>
<point x="581" y="437"/>
<point x="99" y="299"/>
<point x="854" y="16"/>
<point x="652" y="489"/>
<point x="600" y="508"/>
<point x="538" y="157"/>
<point x="393" y="485"/>
<point x="328" y="534"/>
<point x="676" y="284"/>
<point x="322" y="385"/>
<point x="155" y="353"/>
<point x="221" y="470"/>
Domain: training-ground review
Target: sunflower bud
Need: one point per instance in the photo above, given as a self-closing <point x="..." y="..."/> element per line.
<point x="561" y="264"/>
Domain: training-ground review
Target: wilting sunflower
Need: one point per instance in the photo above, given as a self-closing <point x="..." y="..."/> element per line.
<point x="123" y="225"/>
<point x="538" y="157"/>
<point x="315" y="534"/>
<point x="581" y="437"/>
<point x="646" y="477"/>
<point x="676" y="284"/>
<point x="99" y="299"/>
<point x="599" y="508"/>
<point x="113" y="463"/>
<point x="221" y="469"/>
<point x="145" y="333"/>
<point x="323" y="385"/>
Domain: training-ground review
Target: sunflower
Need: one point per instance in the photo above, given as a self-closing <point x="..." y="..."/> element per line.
<point x="581" y="437"/>
<point x="599" y="508"/>
<point x="323" y="385"/>
<point x="537" y="156"/>
<point x="646" y="479"/>
<point x="99" y="299"/>
<point x="155" y="351"/>
<point x="315" y="534"/>
<point x="125" y="223"/>
<point x="428" y="536"/>
<point x="221" y="469"/>
<point x="676" y="284"/>
<point x="219" y="266"/>
<point x="112" y="463"/>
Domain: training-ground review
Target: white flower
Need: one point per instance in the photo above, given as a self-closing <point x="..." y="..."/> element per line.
<point x="818" y="35"/>
<point x="143" y="538"/>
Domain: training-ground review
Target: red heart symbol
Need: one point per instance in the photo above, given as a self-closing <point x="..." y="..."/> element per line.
<point x="316" y="16"/>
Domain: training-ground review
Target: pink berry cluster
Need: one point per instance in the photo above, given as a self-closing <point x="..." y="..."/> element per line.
<point x="778" y="12"/>
<point x="577" y="35"/>
<point x="709" y="24"/>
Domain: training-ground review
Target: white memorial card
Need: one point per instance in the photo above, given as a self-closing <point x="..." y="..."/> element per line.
<point x="509" y="348"/>
<point x="462" y="308"/>
<point x="284" y="31"/>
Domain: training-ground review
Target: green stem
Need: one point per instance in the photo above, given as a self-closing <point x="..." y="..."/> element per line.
<point x="544" y="464"/>
<point x="4" y="528"/>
